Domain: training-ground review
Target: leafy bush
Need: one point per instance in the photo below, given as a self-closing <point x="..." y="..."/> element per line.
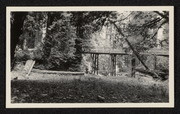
<point x="22" y="55"/>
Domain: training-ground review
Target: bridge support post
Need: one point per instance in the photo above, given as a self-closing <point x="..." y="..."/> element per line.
<point x="155" y="62"/>
<point x="95" y="61"/>
<point x="133" y="65"/>
<point x="113" y="65"/>
<point x="95" y="65"/>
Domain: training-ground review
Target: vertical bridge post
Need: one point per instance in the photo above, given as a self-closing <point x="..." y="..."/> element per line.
<point x="113" y="65"/>
<point x="155" y="62"/>
<point x="95" y="60"/>
<point x="133" y="65"/>
<point x="95" y="65"/>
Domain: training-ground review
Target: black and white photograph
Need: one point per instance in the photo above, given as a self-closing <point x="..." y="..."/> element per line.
<point x="89" y="57"/>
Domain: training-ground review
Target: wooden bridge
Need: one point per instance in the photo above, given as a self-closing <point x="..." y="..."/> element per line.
<point x="114" y="52"/>
<point x="120" y="52"/>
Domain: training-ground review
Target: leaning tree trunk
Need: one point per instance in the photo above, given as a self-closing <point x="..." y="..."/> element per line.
<point x="16" y="31"/>
<point x="134" y="51"/>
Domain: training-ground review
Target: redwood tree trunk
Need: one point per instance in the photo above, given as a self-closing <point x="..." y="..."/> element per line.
<point x="16" y="31"/>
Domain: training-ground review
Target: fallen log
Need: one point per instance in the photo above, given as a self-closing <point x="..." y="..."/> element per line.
<point x="57" y="72"/>
<point x="160" y="74"/>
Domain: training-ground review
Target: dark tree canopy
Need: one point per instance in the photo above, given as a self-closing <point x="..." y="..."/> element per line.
<point x="67" y="33"/>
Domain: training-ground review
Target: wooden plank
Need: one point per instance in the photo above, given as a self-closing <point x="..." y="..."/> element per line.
<point x="28" y="66"/>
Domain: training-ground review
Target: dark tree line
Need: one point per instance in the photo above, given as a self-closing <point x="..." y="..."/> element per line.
<point x="65" y="32"/>
<point x="75" y="27"/>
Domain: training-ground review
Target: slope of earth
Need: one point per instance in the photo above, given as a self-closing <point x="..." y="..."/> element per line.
<point x="54" y="88"/>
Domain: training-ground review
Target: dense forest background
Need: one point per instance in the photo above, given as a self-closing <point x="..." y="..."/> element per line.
<point x="56" y="40"/>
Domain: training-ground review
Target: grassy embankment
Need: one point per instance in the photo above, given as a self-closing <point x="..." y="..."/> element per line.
<point x="43" y="88"/>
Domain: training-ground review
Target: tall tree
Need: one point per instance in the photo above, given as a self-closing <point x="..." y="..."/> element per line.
<point x="17" y="21"/>
<point x="86" y="23"/>
<point x="62" y="49"/>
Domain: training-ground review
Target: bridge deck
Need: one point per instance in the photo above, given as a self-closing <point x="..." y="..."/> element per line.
<point x="119" y="52"/>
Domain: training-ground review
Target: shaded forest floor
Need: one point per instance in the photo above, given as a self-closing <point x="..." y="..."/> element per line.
<point x="53" y="88"/>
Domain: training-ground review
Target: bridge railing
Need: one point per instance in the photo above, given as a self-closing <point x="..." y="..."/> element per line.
<point x="121" y="52"/>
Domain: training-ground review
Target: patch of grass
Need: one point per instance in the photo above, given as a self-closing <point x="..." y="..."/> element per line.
<point x="86" y="90"/>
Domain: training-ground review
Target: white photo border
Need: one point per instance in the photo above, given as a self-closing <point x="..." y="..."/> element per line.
<point x="9" y="9"/>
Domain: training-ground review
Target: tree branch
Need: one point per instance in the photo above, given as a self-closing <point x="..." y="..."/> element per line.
<point x="162" y="15"/>
<point x="154" y="33"/>
<point x="125" y="17"/>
